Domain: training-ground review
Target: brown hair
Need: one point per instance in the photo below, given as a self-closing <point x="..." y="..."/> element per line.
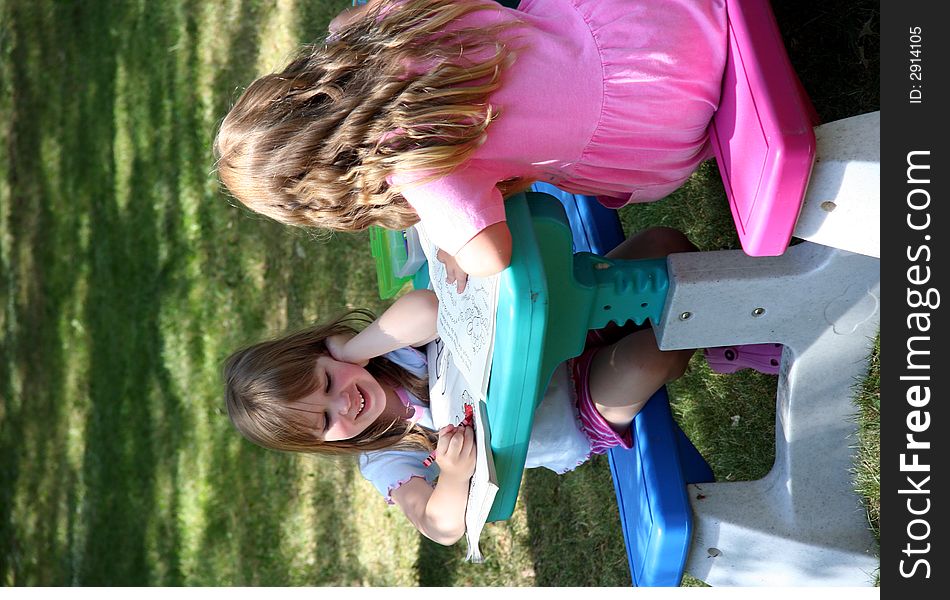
<point x="317" y="143"/>
<point x="261" y="380"/>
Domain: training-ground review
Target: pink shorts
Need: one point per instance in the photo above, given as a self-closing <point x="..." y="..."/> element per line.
<point x="602" y="437"/>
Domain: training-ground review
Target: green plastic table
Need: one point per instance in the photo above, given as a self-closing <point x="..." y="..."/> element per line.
<point x="548" y="300"/>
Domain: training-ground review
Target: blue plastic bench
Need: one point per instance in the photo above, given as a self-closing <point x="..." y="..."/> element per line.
<point x="649" y="479"/>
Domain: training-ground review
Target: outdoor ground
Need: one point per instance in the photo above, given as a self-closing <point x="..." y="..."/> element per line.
<point x="128" y="277"/>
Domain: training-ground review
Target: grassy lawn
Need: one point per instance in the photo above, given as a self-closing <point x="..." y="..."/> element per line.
<point x="127" y="278"/>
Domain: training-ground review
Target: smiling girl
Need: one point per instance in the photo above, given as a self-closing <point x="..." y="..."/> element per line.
<point x="334" y="388"/>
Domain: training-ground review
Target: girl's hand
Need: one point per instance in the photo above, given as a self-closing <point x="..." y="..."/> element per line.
<point x="455" y="452"/>
<point x="453" y="273"/>
<point x="336" y="345"/>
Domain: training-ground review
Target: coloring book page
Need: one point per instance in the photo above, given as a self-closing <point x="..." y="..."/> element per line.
<point x="449" y="395"/>
<point x="466" y="321"/>
<point x="448" y="389"/>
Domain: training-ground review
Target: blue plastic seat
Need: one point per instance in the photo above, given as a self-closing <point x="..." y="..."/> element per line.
<point x="650" y="478"/>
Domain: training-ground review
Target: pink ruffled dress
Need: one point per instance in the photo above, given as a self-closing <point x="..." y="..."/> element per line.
<point x="610" y="98"/>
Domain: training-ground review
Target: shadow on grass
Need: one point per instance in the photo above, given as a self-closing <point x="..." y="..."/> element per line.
<point x="834" y="46"/>
<point x="115" y="519"/>
<point x="437" y="565"/>
<point x="731" y="419"/>
<point x="135" y="422"/>
<point x="45" y="266"/>
<point x="312" y="18"/>
<point x="251" y="489"/>
<point x="574" y="527"/>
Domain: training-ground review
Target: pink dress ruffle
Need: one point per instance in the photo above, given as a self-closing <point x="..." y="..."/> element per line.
<point x="663" y="64"/>
<point x="610" y="98"/>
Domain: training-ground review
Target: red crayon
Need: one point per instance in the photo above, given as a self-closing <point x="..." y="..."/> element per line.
<point x="469" y="416"/>
<point x="469" y="421"/>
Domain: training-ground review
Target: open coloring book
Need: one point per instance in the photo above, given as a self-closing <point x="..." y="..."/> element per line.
<point x="448" y="397"/>
<point x="466" y="321"/>
<point x="459" y="369"/>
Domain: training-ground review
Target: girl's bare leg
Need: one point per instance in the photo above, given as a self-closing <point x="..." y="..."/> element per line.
<point x="623" y="376"/>
<point x="655" y="242"/>
<point x="626" y="374"/>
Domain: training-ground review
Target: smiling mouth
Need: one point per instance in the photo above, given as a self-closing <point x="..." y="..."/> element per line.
<point x="362" y="402"/>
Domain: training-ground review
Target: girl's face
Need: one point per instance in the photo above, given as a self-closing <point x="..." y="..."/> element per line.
<point x="347" y="400"/>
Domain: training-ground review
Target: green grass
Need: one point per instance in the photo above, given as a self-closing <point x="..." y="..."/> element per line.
<point x="867" y="470"/>
<point x="127" y="277"/>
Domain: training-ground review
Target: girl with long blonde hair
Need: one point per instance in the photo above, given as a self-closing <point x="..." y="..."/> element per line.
<point x="434" y="110"/>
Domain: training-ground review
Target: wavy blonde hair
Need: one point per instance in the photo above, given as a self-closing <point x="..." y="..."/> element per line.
<point x="262" y="380"/>
<point x="317" y="143"/>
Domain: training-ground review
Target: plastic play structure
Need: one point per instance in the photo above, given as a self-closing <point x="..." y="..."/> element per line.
<point x="816" y="302"/>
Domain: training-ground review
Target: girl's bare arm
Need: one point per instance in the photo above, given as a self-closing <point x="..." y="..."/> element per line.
<point x="487" y="253"/>
<point x="439" y="513"/>
<point x="410" y="321"/>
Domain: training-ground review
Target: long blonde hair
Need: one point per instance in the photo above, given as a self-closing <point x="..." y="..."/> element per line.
<point x="317" y="143"/>
<point x="262" y="380"/>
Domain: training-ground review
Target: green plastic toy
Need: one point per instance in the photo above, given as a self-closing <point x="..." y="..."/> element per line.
<point x="399" y="259"/>
<point x="549" y="298"/>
